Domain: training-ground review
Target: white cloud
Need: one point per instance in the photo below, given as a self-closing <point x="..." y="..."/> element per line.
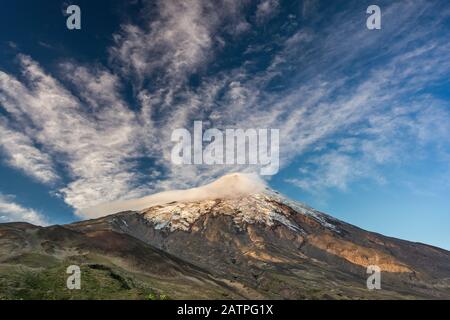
<point x="177" y="41"/>
<point x="22" y="154"/>
<point x="11" y="211"/>
<point x="394" y="137"/>
<point x="266" y="9"/>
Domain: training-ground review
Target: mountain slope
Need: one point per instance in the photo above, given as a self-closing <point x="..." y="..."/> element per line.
<point x="114" y="265"/>
<point x="246" y="242"/>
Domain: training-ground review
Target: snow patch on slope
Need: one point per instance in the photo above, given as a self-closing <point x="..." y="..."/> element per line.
<point x="253" y="209"/>
<point x="261" y="208"/>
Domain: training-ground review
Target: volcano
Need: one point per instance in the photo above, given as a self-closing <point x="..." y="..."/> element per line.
<point x="232" y="239"/>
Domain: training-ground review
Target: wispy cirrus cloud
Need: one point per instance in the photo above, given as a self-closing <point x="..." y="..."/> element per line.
<point x="10" y="211"/>
<point x="21" y="153"/>
<point x="177" y="40"/>
<point x="94" y="140"/>
<point x="266" y="9"/>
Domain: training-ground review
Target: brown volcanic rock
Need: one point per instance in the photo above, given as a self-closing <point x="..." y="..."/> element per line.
<point x="356" y="254"/>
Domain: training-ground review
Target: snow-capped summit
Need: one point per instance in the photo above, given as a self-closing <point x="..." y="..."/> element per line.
<point x="244" y="197"/>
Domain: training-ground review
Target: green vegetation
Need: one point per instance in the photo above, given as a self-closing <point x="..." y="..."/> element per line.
<point x="153" y="296"/>
<point x="98" y="282"/>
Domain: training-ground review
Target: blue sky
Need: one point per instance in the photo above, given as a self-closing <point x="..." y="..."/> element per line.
<point x="86" y="115"/>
